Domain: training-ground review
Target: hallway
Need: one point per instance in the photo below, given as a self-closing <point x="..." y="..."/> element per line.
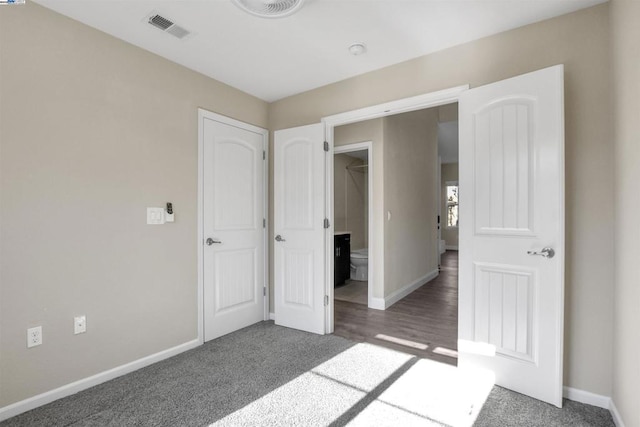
<point x="428" y="317"/>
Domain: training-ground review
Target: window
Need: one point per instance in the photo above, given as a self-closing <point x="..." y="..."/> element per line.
<point x="452" y="204"/>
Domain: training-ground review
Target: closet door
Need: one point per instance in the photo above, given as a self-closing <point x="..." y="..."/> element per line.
<point x="234" y="233"/>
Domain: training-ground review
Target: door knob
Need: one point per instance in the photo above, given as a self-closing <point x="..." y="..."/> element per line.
<point x="545" y="252"/>
<point x="279" y="238"/>
<point x="211" y="241"/>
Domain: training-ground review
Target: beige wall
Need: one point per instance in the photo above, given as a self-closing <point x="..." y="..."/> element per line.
<point x="93" y="131"/>
<point x="350" y="198"/>
<point x="580" y="41"/>
<point x="449" y="173"/>
<point x="626" y="93"/>
<point x="370" y="130"/>
<point x="411" y="198"/>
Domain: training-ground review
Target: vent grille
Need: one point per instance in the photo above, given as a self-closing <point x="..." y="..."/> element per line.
<point x="168" y="26"/>
<point x="178" y="31"/>
<point x="160" y="22"/>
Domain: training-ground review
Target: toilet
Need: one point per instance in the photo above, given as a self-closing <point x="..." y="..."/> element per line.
<point x="360" y="264"/>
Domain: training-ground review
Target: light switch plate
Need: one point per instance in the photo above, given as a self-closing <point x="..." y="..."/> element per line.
<point x="155" y="216"/>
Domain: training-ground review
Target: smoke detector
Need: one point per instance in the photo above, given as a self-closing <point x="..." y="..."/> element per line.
<point x="357" y="49"/>
<point x="269" y="8"/>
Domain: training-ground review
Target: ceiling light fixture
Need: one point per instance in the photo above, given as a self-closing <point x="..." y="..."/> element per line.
<point x="269" y="8"/>
<point x="357" y="49"/>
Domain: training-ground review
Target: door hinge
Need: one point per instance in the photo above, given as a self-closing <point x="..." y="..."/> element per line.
<point x="326" y="300"/>
<point x="326" y="146"/>
<point x="264" y="291"/>
<point x="264" y="222"/>
<point x="326" y="223"/>
<point x="264" y="155"/>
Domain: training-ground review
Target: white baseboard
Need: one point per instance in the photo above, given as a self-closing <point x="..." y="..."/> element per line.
<point x="586" y="397"/>
<point x="617" y="419"/>
<point x="408" y="288"/>
<point x="85" y="383"/>
<point x="595" y="400"/>
<point x="451" y="248"/>
<point x="272" y="316"/>
<point x="377" y="303"/>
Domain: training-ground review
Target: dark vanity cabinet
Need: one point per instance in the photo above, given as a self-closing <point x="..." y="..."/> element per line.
<point x="342" y="255"/>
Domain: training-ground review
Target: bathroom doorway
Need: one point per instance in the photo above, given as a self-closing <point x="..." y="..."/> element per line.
<point x="413" y="306"/>
<point x="353" y="188"/>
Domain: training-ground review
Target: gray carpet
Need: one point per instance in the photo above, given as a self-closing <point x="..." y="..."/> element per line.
<point x="269" y="375"/>
<point x="505" y="408"/>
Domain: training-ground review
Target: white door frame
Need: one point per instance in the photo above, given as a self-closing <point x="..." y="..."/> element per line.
<point x="350" y="148"/>
<point x="433" y="99"/>
<point x="204" y="114"/>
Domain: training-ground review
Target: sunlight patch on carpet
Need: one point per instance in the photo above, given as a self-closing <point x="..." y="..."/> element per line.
<point x="402" y="341"/>
<point x="446" y="352"/>
<point x="430" y="392"/>
<point x="323" y="394"/>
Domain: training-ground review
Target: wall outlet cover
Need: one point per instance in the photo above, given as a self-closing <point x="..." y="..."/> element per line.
<point x="34" y="336"/>
<point x="79" y="324"/>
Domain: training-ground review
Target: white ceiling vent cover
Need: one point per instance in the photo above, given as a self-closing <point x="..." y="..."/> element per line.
<point x="168" y="26"/>
<point x="269" y="8"/>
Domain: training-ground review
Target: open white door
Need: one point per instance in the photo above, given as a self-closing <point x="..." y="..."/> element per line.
<point x="233" y="230"/>
<point x="511" y="288"/>
<point x="299" y="251"/>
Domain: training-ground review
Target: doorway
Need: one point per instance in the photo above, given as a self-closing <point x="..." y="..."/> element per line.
<point x="353" y="236"/>
<point x="415" y="311"/>
<point x="504" y="127"/>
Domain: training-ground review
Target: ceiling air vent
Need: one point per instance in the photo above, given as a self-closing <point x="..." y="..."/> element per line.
<point x="168" y="26"/>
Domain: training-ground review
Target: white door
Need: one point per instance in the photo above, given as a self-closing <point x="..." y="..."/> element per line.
<point x="233" y="228"/>
<point x="512" y="207"/>
<point x="299" y="250"/>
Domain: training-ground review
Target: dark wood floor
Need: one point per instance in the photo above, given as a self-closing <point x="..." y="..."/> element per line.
<point x="429" y="315"/>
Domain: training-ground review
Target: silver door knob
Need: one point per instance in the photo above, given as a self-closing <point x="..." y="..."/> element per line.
<point x="279" y="238"/>
<point x="211" y="241"/>
<point x="545" y="252"/>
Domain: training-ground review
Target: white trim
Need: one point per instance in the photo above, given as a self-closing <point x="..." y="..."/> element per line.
<point x="85" y="383"/>
<point x="587" y="397"/>
<point x="408" y="288"/>
<point x="377" y="303"/>
<point x="202" y="114"/>
<point x="200" y="237"/>
<point x="593" y="399"/>
<point x="349" y="148"/>
<point x="265" y="171"/>
<point x="451" y="247"/>
<point x="272" y="316"/>
<point x="617" y="419"/>
<point x="428" y="100"/>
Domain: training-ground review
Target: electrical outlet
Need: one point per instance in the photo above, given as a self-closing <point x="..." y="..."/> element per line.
<point x="80" y="324"/>
<point x="34" y="336"/>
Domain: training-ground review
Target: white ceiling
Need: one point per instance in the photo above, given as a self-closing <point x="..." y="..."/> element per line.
<point x="275" y="58"/>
